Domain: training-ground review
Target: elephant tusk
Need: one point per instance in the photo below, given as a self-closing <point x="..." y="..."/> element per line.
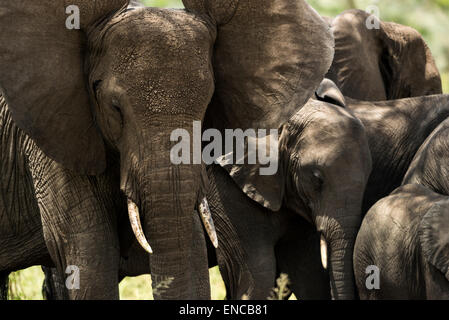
<point x="134" y="218"/>
<point x="206" y="217"/>
<point x="323" y="249"/>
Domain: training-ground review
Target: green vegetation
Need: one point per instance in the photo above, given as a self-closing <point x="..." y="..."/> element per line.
<point x="429" y="17"/>
<point x="27" y="285"/>
<point x="281" y="291"/>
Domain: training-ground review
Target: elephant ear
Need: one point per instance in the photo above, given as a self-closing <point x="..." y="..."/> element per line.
<point x="42" y="77"/>
<point x="434" y="237"/>
<point x="269" y="58"/>
<point x="329" y="92"/>
<point x="408" y="66"/>
<point x="394" y="55"/>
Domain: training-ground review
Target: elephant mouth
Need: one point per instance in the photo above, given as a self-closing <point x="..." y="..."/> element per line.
<point x="136" y="225"/>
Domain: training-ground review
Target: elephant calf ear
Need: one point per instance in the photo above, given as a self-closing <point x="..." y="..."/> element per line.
<point x="42" y="77"/>
<point x="434" y="237"/>
<point x="269" y="58"/>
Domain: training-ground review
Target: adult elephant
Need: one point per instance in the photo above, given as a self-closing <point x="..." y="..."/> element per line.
<point x="395" y="129"/>
<point x="387" y="62"/>
<point x="405" y="236"/>
<point x="117" y="87"/>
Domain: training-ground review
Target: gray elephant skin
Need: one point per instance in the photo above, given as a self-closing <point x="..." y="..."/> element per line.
<point x="405" y="235"/>
<point x="325" y="166"/>
<point x="53" y="217"/>
<point x="386" y="62"/>
<point x="255" y="243"/>
<point x="105" y="98"/>
<point x="396" y="129"/>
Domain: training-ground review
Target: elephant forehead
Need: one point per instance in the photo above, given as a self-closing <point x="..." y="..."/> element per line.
<point x="161" y="57"/>
<point x="174" y="30"/>
<point x="158" y="44"/>
<point x="328" y="121"/>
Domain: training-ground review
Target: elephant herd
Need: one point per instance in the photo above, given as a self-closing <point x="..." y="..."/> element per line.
<point x="86" y="181"/>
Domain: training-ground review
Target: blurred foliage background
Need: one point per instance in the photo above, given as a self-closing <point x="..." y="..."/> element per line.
<point x="429" y="17"/>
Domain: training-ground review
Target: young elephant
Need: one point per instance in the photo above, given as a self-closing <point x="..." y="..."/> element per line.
<point x="325" y="164"/>
<point x="395" y="129"/>
<point x="405" y="236"/>
<point x="256" y="245"/>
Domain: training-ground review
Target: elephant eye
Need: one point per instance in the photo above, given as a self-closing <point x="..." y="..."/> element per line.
<point x="114" y="120"/>
<point x="318" y="179"/>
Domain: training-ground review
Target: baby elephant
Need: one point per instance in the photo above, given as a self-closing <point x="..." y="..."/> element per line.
<point x="402" y="249"/>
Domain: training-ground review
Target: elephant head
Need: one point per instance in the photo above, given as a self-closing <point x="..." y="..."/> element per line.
<point x="120" y="84"/>
<point x="383" y="62"/>
<point x="327" y="163"/>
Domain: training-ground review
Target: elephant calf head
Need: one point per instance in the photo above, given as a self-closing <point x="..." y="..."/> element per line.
<point x="327" y="165"/>
<point x="324" y="166"/>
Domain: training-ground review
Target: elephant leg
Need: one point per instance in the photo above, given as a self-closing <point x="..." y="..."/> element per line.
<point x="262" y="266"/>
<point x="247" y="278"/>
<point x="247" y="262"/>
<point x="298" y="255"/>
<point x="80" y="231"/>
<point x="86" y="262"/>
<point x="4" y="281"/>
<point x="247" y="235"/>
<point x="53" y="287"/>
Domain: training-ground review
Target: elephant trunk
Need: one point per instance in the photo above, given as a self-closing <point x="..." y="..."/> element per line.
<point x="166" y="206"/>
<point x="337" y="244"/>
<point x="167" y="195"/>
